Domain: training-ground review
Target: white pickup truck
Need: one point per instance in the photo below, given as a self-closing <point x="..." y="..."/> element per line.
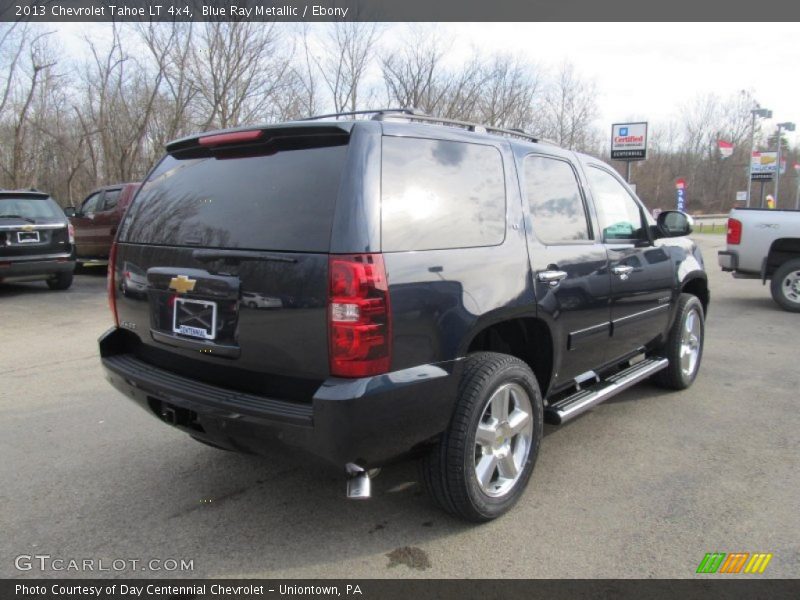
<point x="765" y="244"/>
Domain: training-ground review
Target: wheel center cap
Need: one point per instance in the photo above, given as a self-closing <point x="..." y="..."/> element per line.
<point x="502" y="441"/>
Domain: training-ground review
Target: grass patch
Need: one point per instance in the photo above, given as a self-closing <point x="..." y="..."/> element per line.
<point x="719" y="228"/>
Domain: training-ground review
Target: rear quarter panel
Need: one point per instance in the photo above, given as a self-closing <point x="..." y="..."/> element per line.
<point x="442" y="298"/>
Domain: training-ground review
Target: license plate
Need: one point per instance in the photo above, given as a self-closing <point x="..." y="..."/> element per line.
<point x="27" y="237"/>
<point x="195" y="318"/>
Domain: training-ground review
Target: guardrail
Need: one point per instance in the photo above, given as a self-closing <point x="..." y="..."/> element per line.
<point x="716" y="223"/>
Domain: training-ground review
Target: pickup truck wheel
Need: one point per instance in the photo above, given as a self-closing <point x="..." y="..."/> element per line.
<point x="785" y="285"/>
<point x="684" y="347"/>
<point x="482" y="463"/>
<point x="60" y="281"/>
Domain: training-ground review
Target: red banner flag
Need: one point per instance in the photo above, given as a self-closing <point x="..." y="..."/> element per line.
<point x="725" y="148"/>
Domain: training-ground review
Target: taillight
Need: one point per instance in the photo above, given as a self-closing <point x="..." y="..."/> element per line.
<point x="71" y="233"/>
<point x="734" y="231"/>
<point x="112" y="296"/>
<point x="359" y="315"/>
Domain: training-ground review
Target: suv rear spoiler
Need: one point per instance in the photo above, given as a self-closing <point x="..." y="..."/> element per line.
<point x="264" y="139"/>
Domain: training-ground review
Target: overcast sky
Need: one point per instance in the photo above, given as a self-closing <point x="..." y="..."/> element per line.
<point x="642" y="70"/>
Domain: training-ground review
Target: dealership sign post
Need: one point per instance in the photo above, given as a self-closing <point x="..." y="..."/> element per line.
<point x="680" y="194"/>
<point x="629" y="143"/>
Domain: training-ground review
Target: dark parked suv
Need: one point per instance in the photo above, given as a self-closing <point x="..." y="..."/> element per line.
<point x="451" y="286"/>
<point x="36" y="241"/>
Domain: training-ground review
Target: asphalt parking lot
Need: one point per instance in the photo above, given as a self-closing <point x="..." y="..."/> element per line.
<point x="642" y="486"/>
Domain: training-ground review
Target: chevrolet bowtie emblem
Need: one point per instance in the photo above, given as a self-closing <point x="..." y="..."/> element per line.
<point x="27" y="228"/>
<point x="182" y="284"/>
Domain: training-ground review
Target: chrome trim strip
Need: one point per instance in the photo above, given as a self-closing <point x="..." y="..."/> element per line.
<point x="32" y="227"/>
<point x="581" y="334"/>
<point x="35" y="257"/>
<point x="628" y="319"/>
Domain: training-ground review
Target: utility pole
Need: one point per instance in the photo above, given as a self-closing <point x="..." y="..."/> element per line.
<point x="797" y="181"/>
<point x="764" y="113"/>
<point x="797" y="196"/>
<point x="788" y="126"/>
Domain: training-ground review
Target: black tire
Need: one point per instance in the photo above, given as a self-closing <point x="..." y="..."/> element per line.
<point x="60" y="281"/>
<point x="674" y="377"/>
<point x="785" y="285"/>
<point x="448" y="471"/>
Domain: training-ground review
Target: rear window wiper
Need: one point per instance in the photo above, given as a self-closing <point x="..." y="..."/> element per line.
<point x="28" y="219"/>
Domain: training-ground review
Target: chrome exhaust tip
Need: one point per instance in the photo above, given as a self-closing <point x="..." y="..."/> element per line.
<point x="359" y="485"/>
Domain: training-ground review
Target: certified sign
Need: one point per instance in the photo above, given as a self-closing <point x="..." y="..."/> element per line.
<point x="629" y="141"/>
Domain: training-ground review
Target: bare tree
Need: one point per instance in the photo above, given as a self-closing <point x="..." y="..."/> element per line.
<point x="121" y="99"/>
<point x="415" y="76"/>
<point x="508" y="92"/>
<point x="569" y="109"/>
<point x="170" y="47"/>
<point x="412" y="72"/>
<point x="306" y="96"/>
<point x="238" y="68"/>
<point x="13" y="41"/>
<point x="347" y="50"/>
<point x="19" y="167"/>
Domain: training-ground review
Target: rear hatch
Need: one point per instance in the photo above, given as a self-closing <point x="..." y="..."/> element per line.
<point x="31" y="226"/>
<point x="221" y="267"/>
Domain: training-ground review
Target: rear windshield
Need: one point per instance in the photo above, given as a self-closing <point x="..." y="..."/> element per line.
<point x="29" y="208"/>
<point x="283" y="202"/>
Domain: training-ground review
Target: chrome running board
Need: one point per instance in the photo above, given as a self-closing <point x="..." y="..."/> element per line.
<point x="582" y="400"/>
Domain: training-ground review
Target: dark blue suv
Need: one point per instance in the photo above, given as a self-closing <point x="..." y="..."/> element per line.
<point x="425" y="288"/>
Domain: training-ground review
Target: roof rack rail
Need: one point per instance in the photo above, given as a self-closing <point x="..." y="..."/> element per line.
<point x="412" y="114"/>
<point x="355" y="113"/>
<point x="476" y="127"/>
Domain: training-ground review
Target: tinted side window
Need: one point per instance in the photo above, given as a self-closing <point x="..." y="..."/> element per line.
<point x="90" y="204"/>
<point x="441" y="194"/>
<point x="555" y="200"/>
<point x="620" y="218"/>
<point x="111" y="199"/>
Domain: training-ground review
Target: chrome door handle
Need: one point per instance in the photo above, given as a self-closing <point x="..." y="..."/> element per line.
<point x="551" y="278"/>
<point x="623" y="271"/>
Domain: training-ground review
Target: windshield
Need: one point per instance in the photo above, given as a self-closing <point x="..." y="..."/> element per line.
<point x="31" y="208"/>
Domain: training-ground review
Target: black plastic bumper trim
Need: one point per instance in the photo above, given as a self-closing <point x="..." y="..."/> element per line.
<point x="171" y="387"/>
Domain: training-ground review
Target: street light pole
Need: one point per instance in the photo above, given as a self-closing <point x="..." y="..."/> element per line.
<point x="756" y="112"/>
<point x="788" y="126"/>
<point x="797" y="183"/>
<point x="797" y="197"/>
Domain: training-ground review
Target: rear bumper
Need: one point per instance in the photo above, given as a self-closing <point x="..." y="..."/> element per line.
<point x="35" y="267"/>
<point x="369" y="421"/>
<point x="728" y="261"/>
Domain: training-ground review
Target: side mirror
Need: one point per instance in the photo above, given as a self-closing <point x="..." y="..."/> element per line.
<point x="70" y="211"/>
<point x="674" y="223"/>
